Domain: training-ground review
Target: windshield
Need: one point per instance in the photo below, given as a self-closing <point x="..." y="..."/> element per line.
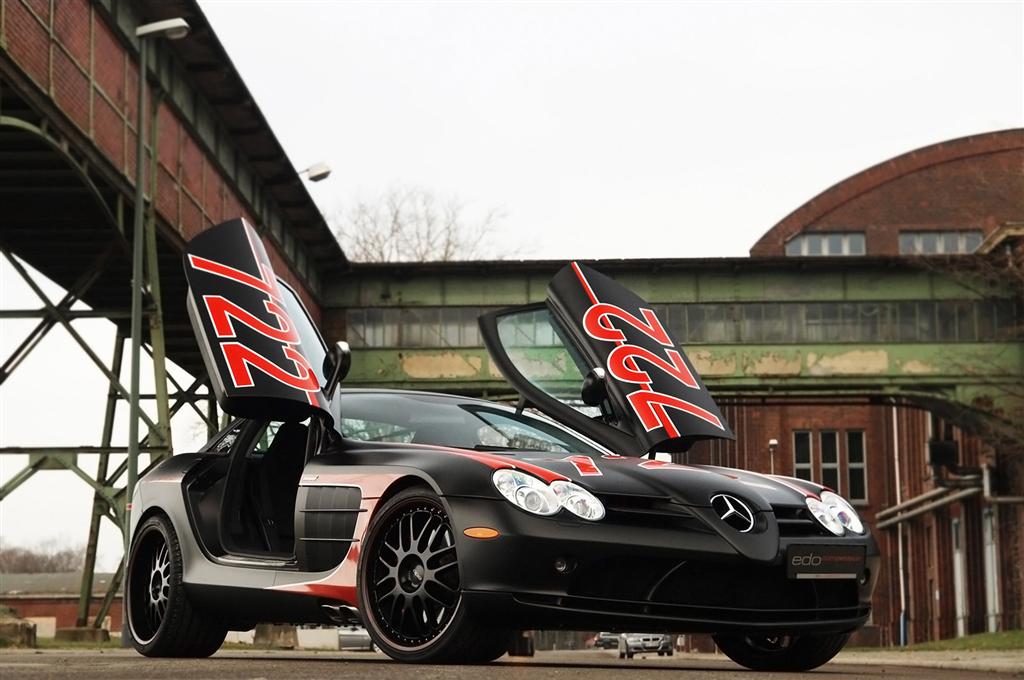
<point x="446" y="421"/>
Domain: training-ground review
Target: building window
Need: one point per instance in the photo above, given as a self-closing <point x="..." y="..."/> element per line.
<point x="857" y="490"/>
<point x="828" y="244"/>
<point x="940" y="242"/>
<point x="802" y="456"/>
<point x="830" y="460"/>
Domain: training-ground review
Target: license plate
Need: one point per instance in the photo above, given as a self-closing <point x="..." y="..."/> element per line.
<point x="825" y="561"/>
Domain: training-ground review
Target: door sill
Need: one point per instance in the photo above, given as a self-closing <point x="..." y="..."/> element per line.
<point x="242" y="560"/>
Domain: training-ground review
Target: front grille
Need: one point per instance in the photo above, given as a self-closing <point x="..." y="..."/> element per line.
<point x="739" y="587"/>
<point x="711" y="618"/>
<point x="649" y="511"/>
<point x="797" y="521"/>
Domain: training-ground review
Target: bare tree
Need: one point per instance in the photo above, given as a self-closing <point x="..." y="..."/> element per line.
<point x="409" y="224"/>
<point x="45" y="559"/>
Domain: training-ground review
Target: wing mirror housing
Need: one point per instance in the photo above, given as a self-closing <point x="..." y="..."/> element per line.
<point x="595" y="387"/>
<point x="337" y="364"/>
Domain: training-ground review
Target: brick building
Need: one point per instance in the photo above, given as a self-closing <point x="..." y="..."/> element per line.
<point x="51" y="599"/>
<point x="942" y="199"/>
<point x="959" y="563"/>
<point x="831" y="318"/>
<point x="73" y="64"/>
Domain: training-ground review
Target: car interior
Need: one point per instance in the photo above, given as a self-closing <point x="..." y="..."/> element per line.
<point x="244" y="499"/>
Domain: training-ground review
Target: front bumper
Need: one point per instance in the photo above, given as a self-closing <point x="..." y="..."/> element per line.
<point x="655" y="577"/>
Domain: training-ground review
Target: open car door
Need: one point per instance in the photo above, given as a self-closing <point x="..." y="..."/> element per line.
<point x="593" y="343"/>
<point x="265" y="357"/>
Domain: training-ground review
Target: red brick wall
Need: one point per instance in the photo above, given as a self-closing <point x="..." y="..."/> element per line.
<point x="80" y="62"/>
<point x="65" y="609"/>
<point x="928" y="550"/>
<point x="970" y="183"/>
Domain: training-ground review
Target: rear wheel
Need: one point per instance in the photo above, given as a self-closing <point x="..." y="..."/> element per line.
<point x="410" y="591"/>
<point x="161" y="619"/>
<point x="781" y="652"/>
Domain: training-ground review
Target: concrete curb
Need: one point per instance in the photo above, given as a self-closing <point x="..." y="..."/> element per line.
<point x="994" y="661"/>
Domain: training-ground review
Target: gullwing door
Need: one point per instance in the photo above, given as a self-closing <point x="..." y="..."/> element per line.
<point x="596" y="357"/>
<point x="265" y="357"/>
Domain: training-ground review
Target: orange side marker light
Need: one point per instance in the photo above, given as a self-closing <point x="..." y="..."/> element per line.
<point x="481" y="532"/>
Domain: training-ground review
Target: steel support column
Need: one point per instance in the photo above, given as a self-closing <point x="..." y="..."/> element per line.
<point x="100" y="505"/>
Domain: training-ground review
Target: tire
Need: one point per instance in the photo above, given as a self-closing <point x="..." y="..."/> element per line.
<point x="409" y="587"/>
<point x="161" y="619"/>
<point x="669" y="653"/>
<point x="622" y="655"/>
<point x="781" y="653"/>
<point x="629" y="655"/>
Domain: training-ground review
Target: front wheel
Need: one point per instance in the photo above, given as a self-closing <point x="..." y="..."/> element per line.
<point x="161" y="619"/>
<point x="410" y="592"/>
<point x="793" y="653"/>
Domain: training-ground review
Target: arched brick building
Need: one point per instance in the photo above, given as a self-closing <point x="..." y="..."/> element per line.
<point x="954" y="568"/>
<point x="947" y="196"/>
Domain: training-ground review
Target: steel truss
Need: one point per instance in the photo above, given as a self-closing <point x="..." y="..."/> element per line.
<point x="169" y="395"/>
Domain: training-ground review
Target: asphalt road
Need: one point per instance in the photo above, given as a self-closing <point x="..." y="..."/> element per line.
<point x="117" y="664"/>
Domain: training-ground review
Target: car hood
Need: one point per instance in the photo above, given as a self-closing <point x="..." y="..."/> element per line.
<point x="689" y="485"/>
<point x="627" y="480"/>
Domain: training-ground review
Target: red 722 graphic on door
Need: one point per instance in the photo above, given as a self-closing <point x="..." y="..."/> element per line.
<point x="623" y="363"/>
<point x="241" y="359"/>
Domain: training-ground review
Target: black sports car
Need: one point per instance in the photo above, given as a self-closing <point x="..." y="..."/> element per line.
<point x="444" y="523"/>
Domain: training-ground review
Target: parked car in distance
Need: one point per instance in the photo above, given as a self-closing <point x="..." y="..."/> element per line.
<point x="637" y="643"/>
<point x="606" y="641"/>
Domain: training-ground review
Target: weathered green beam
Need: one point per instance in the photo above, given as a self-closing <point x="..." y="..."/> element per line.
<point x="804" y="367"/>
<point x="70" y="314"/>
<point x="73" y="450"/>
<point x="20" y="477"/>
<point x="660" y="281"/>
<point x="983" y="376"/>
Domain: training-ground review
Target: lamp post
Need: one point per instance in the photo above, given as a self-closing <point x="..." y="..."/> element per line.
<point x="316" y="172"/>
<point x="773" y="444"/>
<point x="172" y="29"/>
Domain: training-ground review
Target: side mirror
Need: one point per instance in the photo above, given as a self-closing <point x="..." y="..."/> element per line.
<point x="595" y="389"/>
<point x="338" y="362"/>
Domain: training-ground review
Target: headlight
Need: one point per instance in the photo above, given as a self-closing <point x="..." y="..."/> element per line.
<point x="842" y="511"/>
<point x="578" y="500"/>
<point x="824" y="515"/>
<point x="526" y="491"/>
<point x="533" y="495"/>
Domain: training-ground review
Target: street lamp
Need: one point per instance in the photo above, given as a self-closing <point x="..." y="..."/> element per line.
<point x="773" y="444"/>
<point x="316" y="172"/>
<point x="172" y="29"/>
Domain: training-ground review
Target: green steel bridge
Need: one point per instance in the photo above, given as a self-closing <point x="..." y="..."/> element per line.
<point x="756" y="328"/>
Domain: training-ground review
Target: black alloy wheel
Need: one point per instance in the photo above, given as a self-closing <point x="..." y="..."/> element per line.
<point x="161" y="619"/>
<point x="410" y="591"/>
<point x="415" y="575"/>
<point x="149" y="584"/>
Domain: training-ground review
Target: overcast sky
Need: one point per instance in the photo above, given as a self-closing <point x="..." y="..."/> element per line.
<point x="689" y="128"/>
<point x="600" y="130"/>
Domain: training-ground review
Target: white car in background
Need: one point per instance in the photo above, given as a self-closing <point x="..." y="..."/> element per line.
<point x="639" y="643"/>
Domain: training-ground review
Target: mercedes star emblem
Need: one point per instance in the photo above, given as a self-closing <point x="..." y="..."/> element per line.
<point x="733" y="512"/>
